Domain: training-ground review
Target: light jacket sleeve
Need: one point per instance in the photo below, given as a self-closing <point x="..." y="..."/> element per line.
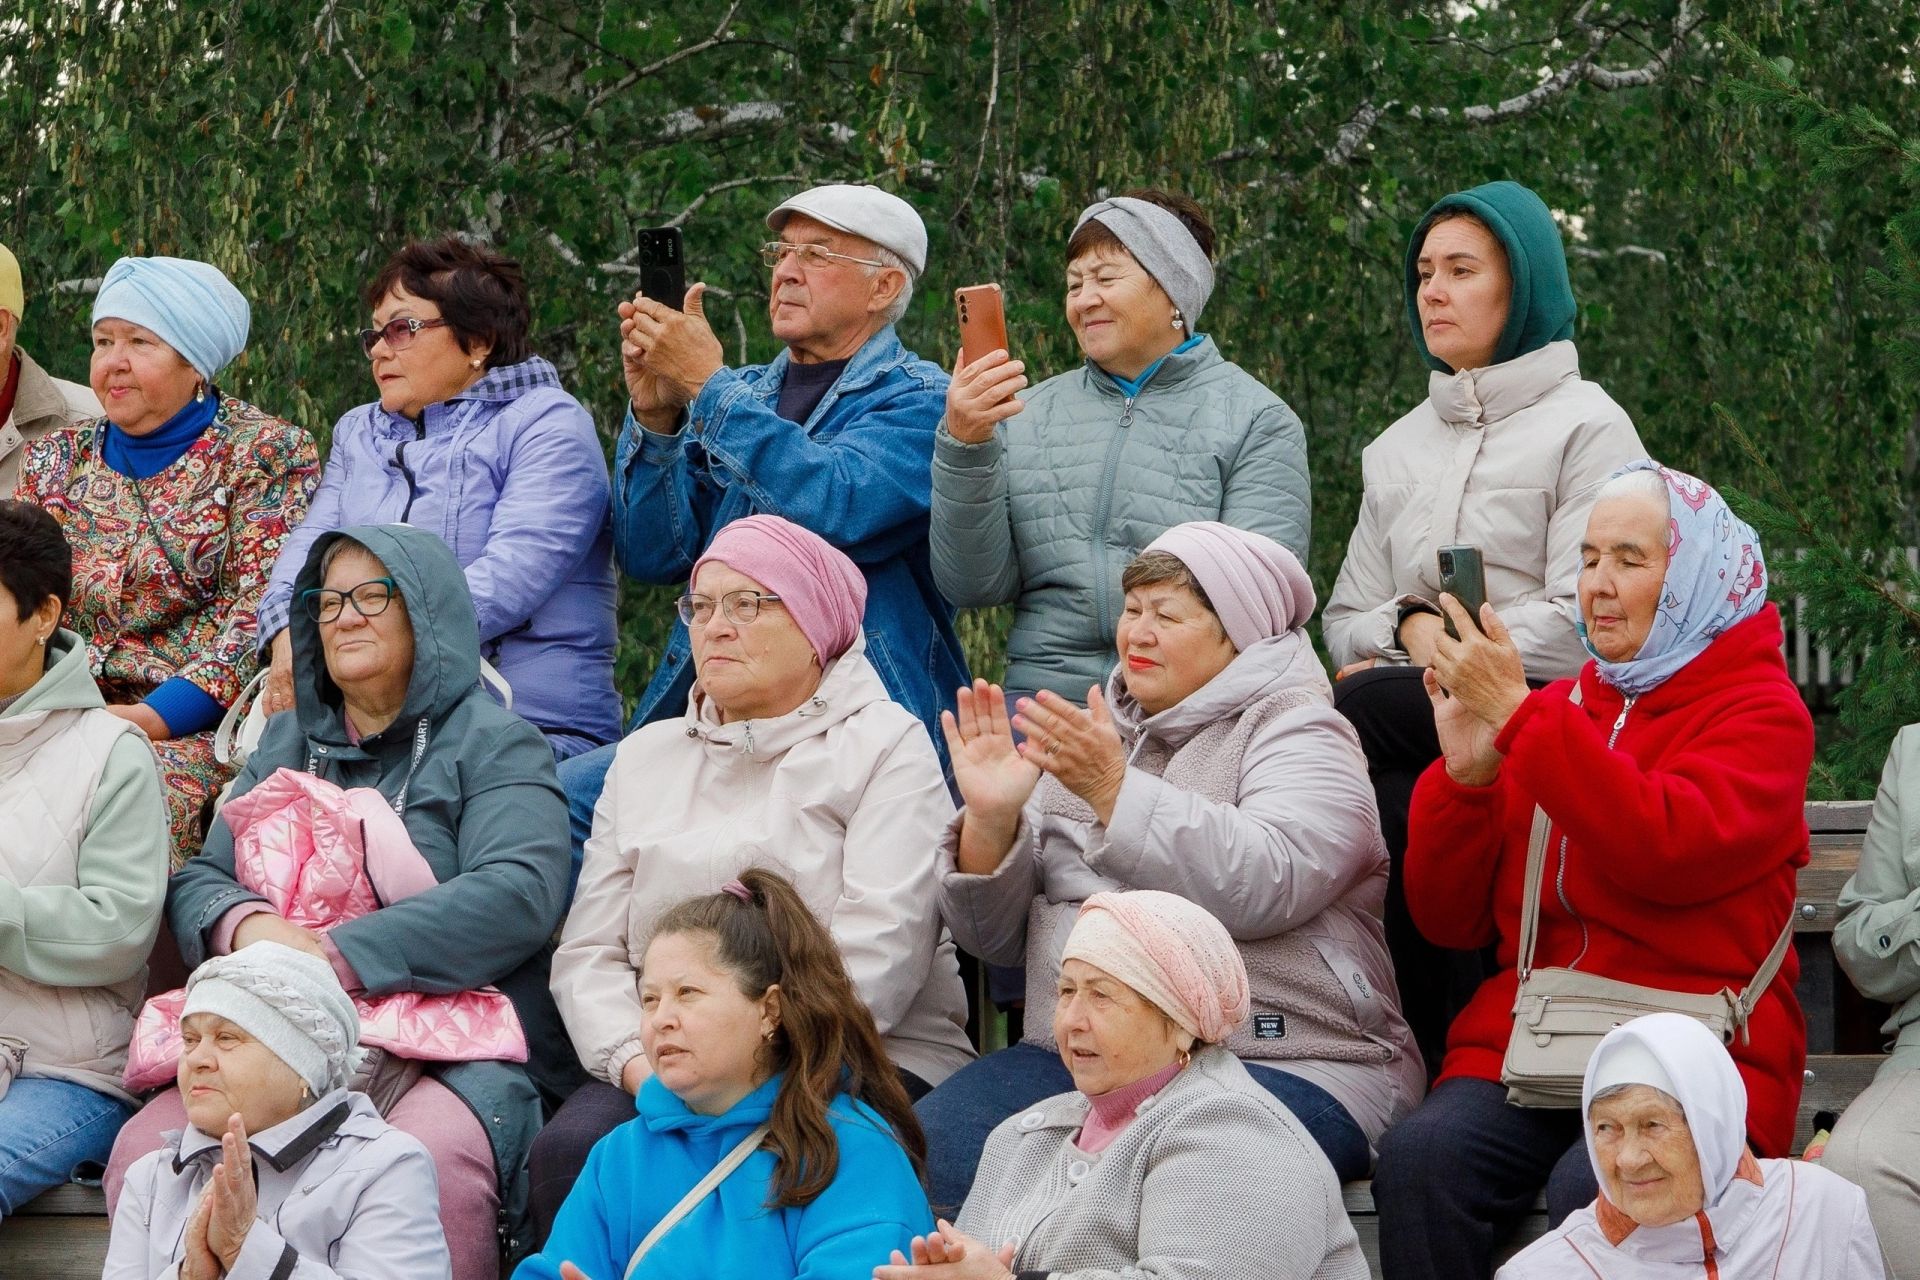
<point x="1455" y="835"/>
<point x="1696" y="818"/>
<point x="99" y="929"/>
<point x="551" y="509"/>
<point x="269" y="497"/>
<point x="480" y="925"/>
<point x="129" y="1247"/>
<point x="987" y="915"/>
<point x="594" y="982"/>
<point x="1546" y="629"/>
<point x="887" y="918"/>
<point x="1364" y="609"/>
<point x="393" y="1234"/>
<point x="866" y="489"/>
<point x="975" y="561"/>
<point x="1877" y="935"/>
<point x="1268" y="491"/>
<point x="325" y="513"/>
<point x="1303" y="831"/>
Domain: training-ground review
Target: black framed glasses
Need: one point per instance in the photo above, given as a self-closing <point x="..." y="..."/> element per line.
<point x="370" y="599"/>
<point x="398" y="333"/>
<point x="741" y="607"/>
<point x="809" y="255"/>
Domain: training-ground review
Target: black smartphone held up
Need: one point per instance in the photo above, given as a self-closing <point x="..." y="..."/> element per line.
<point x="1463" y="577"/>
<point x="662" y="259"/>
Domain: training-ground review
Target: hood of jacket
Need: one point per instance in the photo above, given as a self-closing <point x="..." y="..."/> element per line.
<point x="66" y="685"/>
<point x="662" y="1111"/>
<point x="1541" y="307"/>
<point x="501" y="385"/>
<point x="848" y="684"/>
<point x="1278" y="664"/>
<point x="446" y="636"/>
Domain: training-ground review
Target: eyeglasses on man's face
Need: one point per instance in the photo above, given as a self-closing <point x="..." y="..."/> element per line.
<point x="741" y="607"/>
<point x="370" y="599"/>
<point x="398" y="333"/>
<point x="809" y="255"/>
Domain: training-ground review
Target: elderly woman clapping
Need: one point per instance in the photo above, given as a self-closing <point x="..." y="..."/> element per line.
<point x="790" y="749"/>
<point x="1212" y="766"/>
<point x="1671" y="776"/>
<point x="387" y="697"/>
<point x="176" y="503"/>
<point x="1110" y="1178"/>
<point x="1679" y="1193"/>
<point x="280" y="1170"/>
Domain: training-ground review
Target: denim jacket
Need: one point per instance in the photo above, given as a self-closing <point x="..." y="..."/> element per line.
<point x="858" y="472"/>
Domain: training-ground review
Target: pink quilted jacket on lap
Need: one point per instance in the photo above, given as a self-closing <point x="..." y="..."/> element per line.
<point x="321" y="856"/>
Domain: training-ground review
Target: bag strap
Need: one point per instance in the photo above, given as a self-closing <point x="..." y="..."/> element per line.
<point x="701" y="1190"/>
<point x="1536" y="866"/>
<point x="491" y="677"/>
<point x="1763" y="977"/>
<point x="223" y="737"/>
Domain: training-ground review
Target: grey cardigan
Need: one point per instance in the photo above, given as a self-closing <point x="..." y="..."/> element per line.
<point x="1046" y="513"/>
<point x="1213" y="1179"/>
<point x="1877" y="937"/>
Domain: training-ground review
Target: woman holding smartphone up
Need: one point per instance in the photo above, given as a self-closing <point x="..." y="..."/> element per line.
<point x="1041" y="502"/>
<point x="1504" y="455"/>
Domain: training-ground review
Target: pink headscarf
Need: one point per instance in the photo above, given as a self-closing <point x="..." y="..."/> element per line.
<point x="823" y="590"/>
<point x="1257" y="586"/>
<point x="1172" y="952"/>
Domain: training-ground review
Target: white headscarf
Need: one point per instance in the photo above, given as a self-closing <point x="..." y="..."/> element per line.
<point x="1679" y="1056"/>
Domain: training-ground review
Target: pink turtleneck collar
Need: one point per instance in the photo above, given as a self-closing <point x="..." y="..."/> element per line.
<point x="1114" y="1110"/>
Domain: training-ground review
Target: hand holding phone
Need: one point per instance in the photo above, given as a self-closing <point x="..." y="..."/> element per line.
<point x="661" y="255"/>
<point x="983" y="321"/>
<point x="979" y="399"/>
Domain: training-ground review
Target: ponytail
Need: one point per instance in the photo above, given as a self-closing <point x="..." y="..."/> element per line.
<point x="826" y="1043"/>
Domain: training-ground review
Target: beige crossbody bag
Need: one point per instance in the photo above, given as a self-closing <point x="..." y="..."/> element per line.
<point x="1561" y="1015"/>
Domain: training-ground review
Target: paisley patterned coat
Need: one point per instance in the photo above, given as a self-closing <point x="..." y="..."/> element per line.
<point x="168" y="571"/>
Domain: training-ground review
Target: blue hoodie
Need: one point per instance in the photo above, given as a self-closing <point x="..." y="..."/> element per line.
<point x="639" y="1171"/>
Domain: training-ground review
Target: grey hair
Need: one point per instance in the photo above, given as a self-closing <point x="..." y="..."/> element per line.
<point x="1636" y="484"/>
<point x="343" y="544"/>
<point x="1615" y="1090"/>
<point x="898" y="307"/>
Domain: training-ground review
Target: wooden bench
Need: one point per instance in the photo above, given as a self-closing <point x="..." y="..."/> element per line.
<point x="63" y="1234"/>
<point x="1842" y="1027"/>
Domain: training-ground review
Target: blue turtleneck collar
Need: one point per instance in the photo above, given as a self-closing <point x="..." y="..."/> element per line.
<point x="145" y="456"/>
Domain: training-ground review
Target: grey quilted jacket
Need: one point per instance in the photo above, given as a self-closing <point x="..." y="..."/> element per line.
<point x="1047" y="513"/>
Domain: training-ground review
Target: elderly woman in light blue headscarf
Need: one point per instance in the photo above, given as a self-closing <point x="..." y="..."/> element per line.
<point x="176" y="503"/>
<point x="1671" y="775"/>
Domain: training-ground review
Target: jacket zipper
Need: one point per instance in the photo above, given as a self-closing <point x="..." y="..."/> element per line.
<point x="400" y="460"/>
<point x="1560" y="873"/>
<point x="1104" y="513"/>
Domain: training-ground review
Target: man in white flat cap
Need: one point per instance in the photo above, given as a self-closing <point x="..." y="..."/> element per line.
<point x="32" y="402"/>
<point x="835" y="434"/>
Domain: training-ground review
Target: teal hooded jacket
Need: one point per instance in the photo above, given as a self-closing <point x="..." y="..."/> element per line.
<point x="1542" y="308"/>
<point x="483" y="806"/>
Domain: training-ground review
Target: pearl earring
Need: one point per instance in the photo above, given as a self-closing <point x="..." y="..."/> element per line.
<point x="1179" y="321"/>
<point x="474" y="363"/>
<point x="43" y="640"/>
<point x="200" y="393"/>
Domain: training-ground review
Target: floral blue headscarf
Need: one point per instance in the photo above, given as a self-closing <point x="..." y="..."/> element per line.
<point x="1716" y="579"/>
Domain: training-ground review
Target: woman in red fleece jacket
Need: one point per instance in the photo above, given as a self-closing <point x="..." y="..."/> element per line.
<point x="1674" y="790"/>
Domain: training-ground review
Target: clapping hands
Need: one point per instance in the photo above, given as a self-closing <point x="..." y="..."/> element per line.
<point x="949" y="1254"/>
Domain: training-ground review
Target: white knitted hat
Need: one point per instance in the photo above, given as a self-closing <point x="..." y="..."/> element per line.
<point x="289" y="1001"/>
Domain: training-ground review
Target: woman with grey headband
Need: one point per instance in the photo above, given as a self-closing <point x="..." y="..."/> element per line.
<point x="1040" y="502"/>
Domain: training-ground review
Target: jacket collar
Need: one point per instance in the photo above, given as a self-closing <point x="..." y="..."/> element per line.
<point x="1482" y="397"/>
<point x="1742" y="651"/>
<point x="292" y="1140"/>
<point x="877" y="357"/>
<point x="1699" y="1237"/>
<point x="1172" y="370"/>
<point x="848" y="684"/>
<point x="36" y="399"/>
<point x="662" y="1111"/>
<point x="501" y="385"/>
<point x="1278" y="664"/>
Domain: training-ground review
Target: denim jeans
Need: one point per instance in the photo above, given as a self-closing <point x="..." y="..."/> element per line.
<point x="972" y="1101"/>
<point x="46" y="1128"/>
<point x="583" y="778"/>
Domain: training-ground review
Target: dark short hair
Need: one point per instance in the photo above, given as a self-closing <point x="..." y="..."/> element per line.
<point x="1093" y="235"/>
<point x="35" y="560"/>
<point x="481" y="294"/>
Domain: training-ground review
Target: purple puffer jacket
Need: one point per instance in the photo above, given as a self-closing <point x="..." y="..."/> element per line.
<point x="510" y="473"/>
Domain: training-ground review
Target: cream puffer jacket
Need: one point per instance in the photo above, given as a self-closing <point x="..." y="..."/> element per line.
<point x="1505" y="458"/>
<point x="843" y="795"/>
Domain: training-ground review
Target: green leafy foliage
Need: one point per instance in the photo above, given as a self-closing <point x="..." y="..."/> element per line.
<point x="298" y="142"/>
